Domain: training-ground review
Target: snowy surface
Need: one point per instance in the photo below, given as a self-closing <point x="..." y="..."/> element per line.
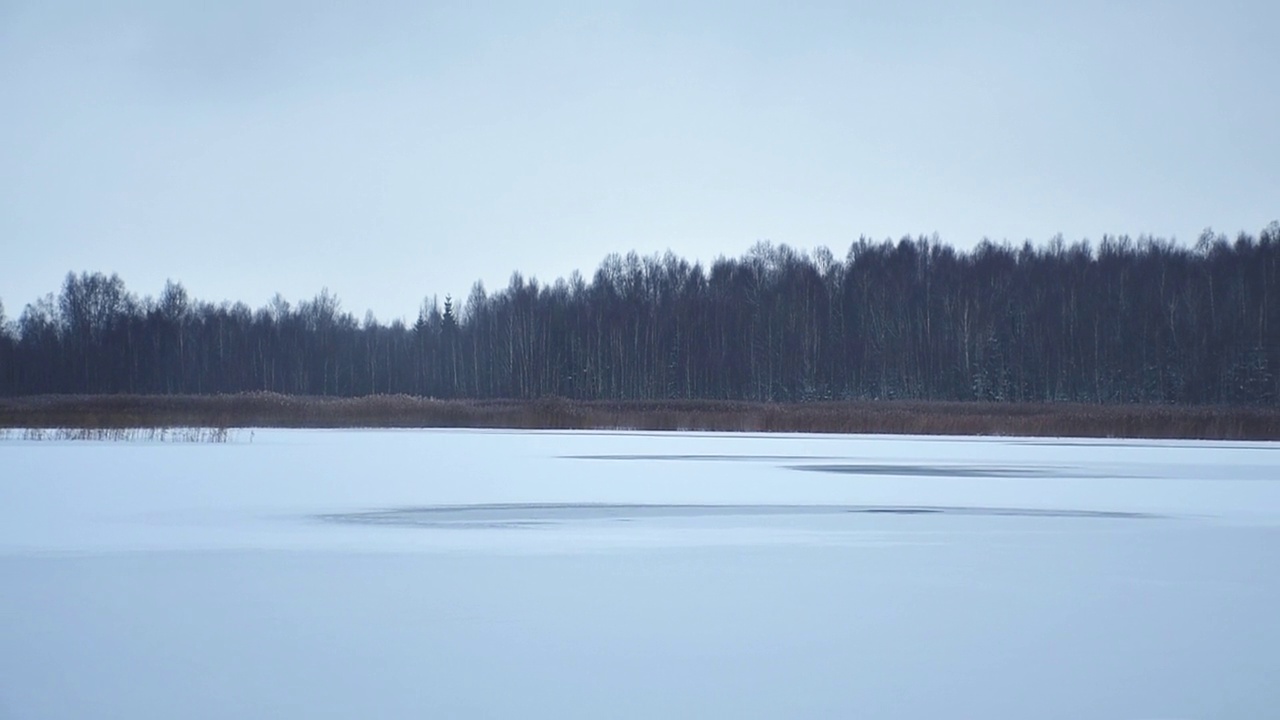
<point x="593" y="574"/>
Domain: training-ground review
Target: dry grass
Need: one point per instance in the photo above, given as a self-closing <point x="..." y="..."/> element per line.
<point x="118" y="434"/>
<point x="220" y="412"/>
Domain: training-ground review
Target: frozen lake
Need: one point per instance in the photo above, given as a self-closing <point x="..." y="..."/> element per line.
<point x="638" y="575"/>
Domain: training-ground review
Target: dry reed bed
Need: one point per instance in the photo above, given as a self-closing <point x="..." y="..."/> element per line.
<point x="107" y="412"/>
<point x="119" y="434"/>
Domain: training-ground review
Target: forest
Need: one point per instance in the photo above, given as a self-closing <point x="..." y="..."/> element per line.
<point x="1125" y="320"/>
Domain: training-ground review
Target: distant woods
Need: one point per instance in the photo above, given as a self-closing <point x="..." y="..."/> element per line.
<point x="1121" y="321"/>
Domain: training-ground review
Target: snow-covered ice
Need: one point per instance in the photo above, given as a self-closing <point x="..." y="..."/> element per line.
<point x="408" y="573"/>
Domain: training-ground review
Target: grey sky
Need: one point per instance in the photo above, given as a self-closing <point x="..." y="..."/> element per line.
<point x="391" y="150"/>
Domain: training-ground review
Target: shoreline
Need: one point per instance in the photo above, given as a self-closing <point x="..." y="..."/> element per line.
<point x="888" y="417"/>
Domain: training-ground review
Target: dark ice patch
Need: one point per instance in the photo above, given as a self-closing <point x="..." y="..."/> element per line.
<point x="955" y="471"/>
<point x="526" y="515"/>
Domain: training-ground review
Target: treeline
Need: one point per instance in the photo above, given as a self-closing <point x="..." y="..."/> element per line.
<point x="1125" y="321"/>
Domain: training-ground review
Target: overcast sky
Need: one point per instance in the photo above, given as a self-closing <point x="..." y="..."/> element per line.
<point x="391" y="150"/>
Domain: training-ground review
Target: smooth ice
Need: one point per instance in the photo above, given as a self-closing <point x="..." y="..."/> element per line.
<point x="454" y="573"/>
